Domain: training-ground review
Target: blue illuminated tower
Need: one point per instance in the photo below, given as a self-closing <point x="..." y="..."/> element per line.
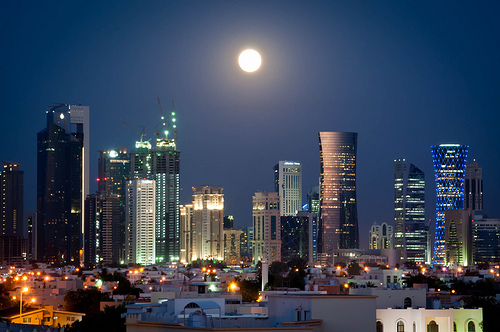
<point x="449" y="169"/>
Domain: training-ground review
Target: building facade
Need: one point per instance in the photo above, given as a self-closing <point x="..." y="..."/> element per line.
<point x="473" y="187"/>
<point x="299" y="237"/>
<point x="449" y="170"/>
<point x="140" y="222"/>
<point x="62" y="183"/>
<point x="338" y="206"/>
<point x="381" y="236"/>
<point x="266" y="227"/>
<point x="313" y="200"/>
<point x="486" y="239"/>
<point x="458" y="237"/>
<point x="232" y="246"/>
<point x="288" y="184"/>
<point x="208" y="217"/>
<point x="187" y="230"/>
<point x="411" y="232"/>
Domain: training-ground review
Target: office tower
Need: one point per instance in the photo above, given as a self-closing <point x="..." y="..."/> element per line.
<point x="208" y="214"/>
<point x="12" y="236"/>
<point x="313" y="200"/>
<point x="411" y="233"/>
<point x="486" y="239"/>
<point x="232" y="246"/>
<point x="32" y="238"/>
<point x="288" y="184"/>
<point x="473" y="187"/>
<point x="92" y="233"/>
<point x="457" y="236"/>
<point x="246" y="245"/>
<point x="62" y="183"/>
<point x="449" y="169"/>
<point x="338" y="207"/>
<point x="113" y="172"/>
<point x="299" y="237"/>
<point x="12" y="200"/>
<point x="381" y="236"/>
<point x="228" y="222"/>
<point x="140" y="222"/>
<point x="266" y="227"/>
<point x="187" y="245"/>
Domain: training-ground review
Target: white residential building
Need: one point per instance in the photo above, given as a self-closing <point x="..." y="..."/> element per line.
<point x="140" y="222"/>
<point x="266" y="227"/>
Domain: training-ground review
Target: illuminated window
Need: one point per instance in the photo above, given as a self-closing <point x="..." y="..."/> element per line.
<point x="400" y="326"/>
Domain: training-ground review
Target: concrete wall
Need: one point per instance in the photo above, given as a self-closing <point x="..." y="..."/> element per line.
<point x="393" y="298"/>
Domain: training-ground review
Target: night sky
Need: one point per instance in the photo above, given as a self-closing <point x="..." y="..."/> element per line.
<point x="405" y="75"/>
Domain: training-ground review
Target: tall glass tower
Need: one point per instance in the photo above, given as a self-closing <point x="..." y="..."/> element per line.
<point x="449" y="169"/>
<point x="288" y="184"/>
<point x="411" y="234"/>
<point x="338" y="207"/>
<point x="62" y="183"/>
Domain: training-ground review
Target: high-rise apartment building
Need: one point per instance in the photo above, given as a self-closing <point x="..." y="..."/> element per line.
<point x="208" y="215"/>
<point x="473" y="187"/>
<point x="266" y="227"/>
<point x="381" y="236"/>
<point x="288" y="184"/>
<point x="140" y="222"/>
<point x="449" y="169"/>
<point x="411" y="232"/>
<point x="338" y="206"/>
<point x="187" y="230"/>
<point x="62" y="183"/>
<point x="31" y="246"/>
<point x="246" y="245"/>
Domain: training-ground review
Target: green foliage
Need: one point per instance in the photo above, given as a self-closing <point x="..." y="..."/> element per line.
<point x="109" y="320"/>
<point x="249" y="289"/>
<point x="491" y="311"/>
<point x="5" y="300"/>
<point x="354" y="269"/>
<point x="84" y="301"/>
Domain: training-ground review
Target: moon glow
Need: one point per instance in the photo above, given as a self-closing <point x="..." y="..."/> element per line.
<point x="249" y="60"/>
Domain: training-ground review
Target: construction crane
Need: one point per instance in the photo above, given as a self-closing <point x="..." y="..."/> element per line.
<point x="142" y="134"/>
<point x="166" y="122"/>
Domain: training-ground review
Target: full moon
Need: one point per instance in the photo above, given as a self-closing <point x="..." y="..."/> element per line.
<point x="249" y="60"/>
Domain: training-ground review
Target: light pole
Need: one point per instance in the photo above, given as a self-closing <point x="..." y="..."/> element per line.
<point x="23" y="290"/>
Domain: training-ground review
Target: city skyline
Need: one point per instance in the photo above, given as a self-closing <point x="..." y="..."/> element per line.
<point x="420" y="66"/>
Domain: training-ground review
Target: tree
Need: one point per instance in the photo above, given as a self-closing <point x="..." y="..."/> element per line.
<point x="353" y="269"/>
<point x="109" y="320"/>
<point x="84" y="301"/>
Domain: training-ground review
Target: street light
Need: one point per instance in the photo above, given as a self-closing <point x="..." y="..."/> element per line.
<point x="24" y="290"/>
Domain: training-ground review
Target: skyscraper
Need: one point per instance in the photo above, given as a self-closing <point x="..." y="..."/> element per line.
<point x="208" y="215"/>
<point x="62" y="183"/>
<point x="338" y="207"/>
<point x="12" y="200"/>
<point x="473" y="187"/>
<point x="266" y="227"/>
<point x="187" y="230"/>
<point x="449" y="169"/>
<point x="288" y="184"/>
<point x="140" y="222"/>
<point x="313" y="200"/>
<point x="411" y="233"/>
<point x="13" y="233"/>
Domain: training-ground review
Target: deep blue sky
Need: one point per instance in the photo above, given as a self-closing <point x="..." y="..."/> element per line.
<point x="403" y="74"/>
